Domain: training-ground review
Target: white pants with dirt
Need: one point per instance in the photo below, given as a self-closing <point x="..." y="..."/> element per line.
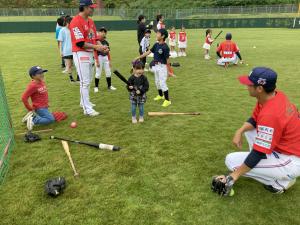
<point x="104" y="64"/>
<point x="161" y="76"/>
<point x="83" y="62"/>
<point x="278" y="170"/>
<point x="233" y="60"/>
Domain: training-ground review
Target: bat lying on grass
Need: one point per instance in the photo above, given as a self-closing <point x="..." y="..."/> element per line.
<point x="172" y="113"/>
<point x="95" y="145"/>
<point x="67" y="151"/>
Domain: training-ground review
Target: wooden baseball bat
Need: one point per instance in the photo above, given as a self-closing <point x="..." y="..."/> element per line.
<point x="95" y="145"/>
<point x="36" y="131"/>
<point x="172" y="113"/>
<point x="5" y="153"/>
<point x="67" y="151"/>
<point x="218" y="34"/>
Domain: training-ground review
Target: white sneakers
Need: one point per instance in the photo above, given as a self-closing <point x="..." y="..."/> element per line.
<point x="93" y="114"/>
<point x="112" y="88"/>
<point x="30" y="123"/>
<point x="25" y="118"/>
<point x="134" y="121"/>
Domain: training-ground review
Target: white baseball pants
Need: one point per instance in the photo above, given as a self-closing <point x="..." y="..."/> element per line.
<point x="278" y="170"/>
<point x="104" y="64"/>
<point x="161" y="76"/>
<point x="222" y="61"/>
<point x="83" y="62"/>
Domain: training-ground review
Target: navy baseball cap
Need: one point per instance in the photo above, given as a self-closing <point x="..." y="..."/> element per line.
<point x="228" y="36"/>
<point x="36" y="70"/>
<point x="164" y="32"/>
<point x="260" y="76"/>
<point x="89" y="3"/>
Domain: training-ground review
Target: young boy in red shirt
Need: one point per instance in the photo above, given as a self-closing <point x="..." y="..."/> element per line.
<point x="37" y="91"/>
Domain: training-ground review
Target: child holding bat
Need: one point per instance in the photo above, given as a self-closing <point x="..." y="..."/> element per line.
<point x="137" y="86"/>
<point x="207" y="44"/>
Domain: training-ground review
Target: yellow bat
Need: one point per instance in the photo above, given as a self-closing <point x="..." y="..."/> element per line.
<point x="67" y="151"/>
<point x="173" y="113"/>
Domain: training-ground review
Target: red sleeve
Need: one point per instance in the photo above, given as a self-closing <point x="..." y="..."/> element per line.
<point x="269" y="132"/>
<point x="255" y="112"/>
<point x="77" y="31"/>
<point x="26" y="95"/>
<point x="96" y="56"/>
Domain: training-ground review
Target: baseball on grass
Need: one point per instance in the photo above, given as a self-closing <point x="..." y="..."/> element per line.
<point x="254" y="46"/>
<point x="73" y="125"/>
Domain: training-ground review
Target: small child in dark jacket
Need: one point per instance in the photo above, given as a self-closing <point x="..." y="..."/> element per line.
<point x="138" y="85"/>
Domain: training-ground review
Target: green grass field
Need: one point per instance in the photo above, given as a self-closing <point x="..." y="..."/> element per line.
<point x="163" y="173"/>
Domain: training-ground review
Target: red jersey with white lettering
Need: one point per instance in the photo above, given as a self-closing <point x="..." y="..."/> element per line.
<point x="182" y="36"/>
<point x="278" y="126"/>
<point x="38" y="93"/>
<point x="160" y="25"/>
<point x="172" y="35"/>
<point x="82" y="30"/>
<point x="227" y="49"/>
<point x="208" y="39"/>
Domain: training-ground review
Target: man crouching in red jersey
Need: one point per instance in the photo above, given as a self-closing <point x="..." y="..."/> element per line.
<point x="273" y="135"/>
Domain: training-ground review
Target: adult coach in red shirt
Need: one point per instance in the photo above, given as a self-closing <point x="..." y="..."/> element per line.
<point x="273" y="134"/>
<point x="84" y="43"/>
<point x="228" y="52"/>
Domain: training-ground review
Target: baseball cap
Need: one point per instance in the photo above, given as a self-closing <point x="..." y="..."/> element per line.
<point x="260" y="76"/>
<point x="36" y="70"/>
<point x="147" y="31"/>
<point x="89" y="3"/>
<point x="228" y="36"/>
<point x="103" y="29"/>
<point x="164" y="32"/>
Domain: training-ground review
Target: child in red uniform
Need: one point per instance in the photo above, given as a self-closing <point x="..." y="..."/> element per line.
<point x="36" y="90"/>
<point x="207" y="44"/>
<point x="172" y="42"/>
<point x="182" y="42"/>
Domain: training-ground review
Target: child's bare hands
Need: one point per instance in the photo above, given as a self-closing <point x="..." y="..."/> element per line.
<point x="130" y="87"/>
<point x="138" y="92"/>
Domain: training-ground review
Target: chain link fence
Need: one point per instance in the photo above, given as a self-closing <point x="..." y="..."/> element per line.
<point x="239" y="11"/>
<point x="6" y="132"/>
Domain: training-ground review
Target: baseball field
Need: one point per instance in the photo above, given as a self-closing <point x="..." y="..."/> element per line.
<point x="163" y="173"/>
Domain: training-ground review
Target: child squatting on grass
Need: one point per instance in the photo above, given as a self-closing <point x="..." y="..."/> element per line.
<point x="36" y="90"/>
<point x="138" y="85"/>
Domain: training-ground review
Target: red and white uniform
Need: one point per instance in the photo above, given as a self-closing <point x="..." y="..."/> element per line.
<point x="83" y="31"/>
<point x="160" y="25"/>
<point x="228" y="50"/>
<point x="277" y="134"/>
<point x="182" y="39"/>
<point x="208" y="42"/>
<point x="172" y="38"/>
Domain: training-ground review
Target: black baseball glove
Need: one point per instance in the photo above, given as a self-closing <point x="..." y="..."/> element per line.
<point x="176" y="64"/>
<point x="55" y="187"/>
<point x="31" y="137"/>
<point x="222" y="185"/>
